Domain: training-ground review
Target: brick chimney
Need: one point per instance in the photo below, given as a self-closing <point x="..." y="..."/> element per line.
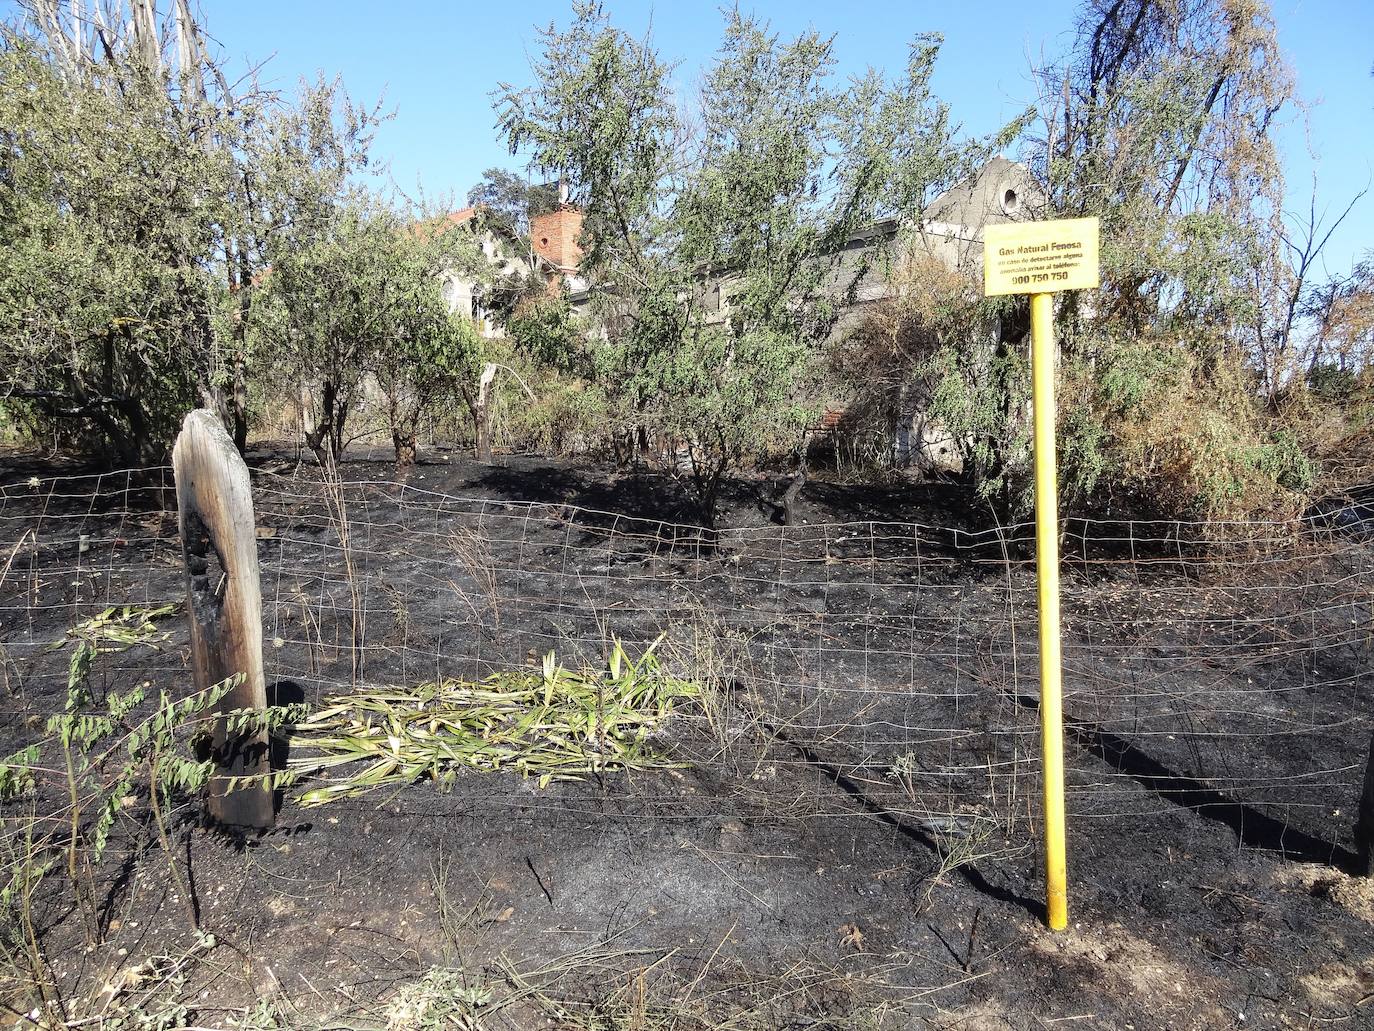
<point x="554" y="236"/>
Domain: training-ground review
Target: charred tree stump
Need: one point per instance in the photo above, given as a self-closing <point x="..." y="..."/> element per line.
<point x="219" y="544"/>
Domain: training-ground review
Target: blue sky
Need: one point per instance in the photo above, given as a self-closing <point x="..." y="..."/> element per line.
<point x="435" y="62"/>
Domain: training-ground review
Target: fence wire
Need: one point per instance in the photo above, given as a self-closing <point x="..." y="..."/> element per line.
<point x="880" y="669"/>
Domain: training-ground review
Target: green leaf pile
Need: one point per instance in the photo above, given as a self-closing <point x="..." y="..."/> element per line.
<point x="550" y="723"/>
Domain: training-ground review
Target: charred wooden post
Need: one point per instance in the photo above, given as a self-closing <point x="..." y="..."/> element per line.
<point x="219" y="544"/>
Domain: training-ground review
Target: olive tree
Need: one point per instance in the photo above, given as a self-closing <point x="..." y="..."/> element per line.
<point x="111" y="212"/>
<point x="714" y="240"/>
<point x="143" y="200"/>
<point x="429" y="354"/>
<point x="354" y="311"/>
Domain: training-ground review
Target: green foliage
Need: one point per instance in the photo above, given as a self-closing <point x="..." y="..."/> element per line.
<point x="111" y="631"/>
<point x="16" y="773"/>
<point x="978" y="391"/>
<point x="1159" y="122"/>
<point x="544" y="330"/>
<point x="109" y="215"/>
<point x="26" y="871"/>
<point x="141" y="201"/>
<point x="1147" y="424"/>
<point x="570" y="416"/>
<point x="508" y="202"/>
<point x="547" y="402"/>
<point x="549" y="724"/>
<point x="427" y="354"/>
<point x="602" y="114"/>
<point x="440" y="998"/>
<point x="102" y="752"/>
<point x="954" y="356"/>
<point x="263" y="1015"/>
<point x="362" y="294"/>
<point x="108" y="750"/>
<point x="81" y="733"/>
<point x="298" y="160"/>
<point x="1329" y="382"/>
<point x="116" y="748"/>
<point x="716" y="260"/>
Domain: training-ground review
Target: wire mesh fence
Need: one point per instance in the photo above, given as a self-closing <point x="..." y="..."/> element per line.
<point x="876" y="669"/>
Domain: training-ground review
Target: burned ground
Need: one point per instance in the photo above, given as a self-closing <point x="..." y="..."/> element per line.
<point x="851" y="835"/>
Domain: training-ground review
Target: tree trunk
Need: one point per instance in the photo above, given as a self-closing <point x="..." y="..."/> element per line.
<point x="325" y="437"/>
<point x="238" y="402"/>
<point x="338" y="441"/>
<point x="403" y="419"/>
<point x="707" y="481"/>
<point x="482" y="413"/>
<point x="239" y="398"/>
<point x="403" y="440"/>
<point x="790" y="516"/>
<point x="622" y="447"/>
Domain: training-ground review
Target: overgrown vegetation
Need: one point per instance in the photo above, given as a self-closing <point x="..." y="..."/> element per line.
<point x="107" y="288"/>
<point x="356" y="304"/>
<point x="717" y="259"/>
<point x="1198" y="382"/>
<point x="168" y="239"/>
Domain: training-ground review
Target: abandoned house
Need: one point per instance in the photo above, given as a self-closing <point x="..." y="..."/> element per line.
<point x="552" y="251"/>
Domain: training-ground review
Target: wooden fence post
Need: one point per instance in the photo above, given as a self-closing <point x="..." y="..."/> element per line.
<point x="219" y="544"/>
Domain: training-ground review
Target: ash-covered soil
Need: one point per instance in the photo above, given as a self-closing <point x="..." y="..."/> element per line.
<point x="853" y="835"/>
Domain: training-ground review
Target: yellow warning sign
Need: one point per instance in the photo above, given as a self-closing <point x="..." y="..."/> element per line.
<point x="1040" y="257"/>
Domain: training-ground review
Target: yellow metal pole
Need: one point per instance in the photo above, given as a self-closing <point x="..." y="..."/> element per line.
<point x="1047" y="566"/>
